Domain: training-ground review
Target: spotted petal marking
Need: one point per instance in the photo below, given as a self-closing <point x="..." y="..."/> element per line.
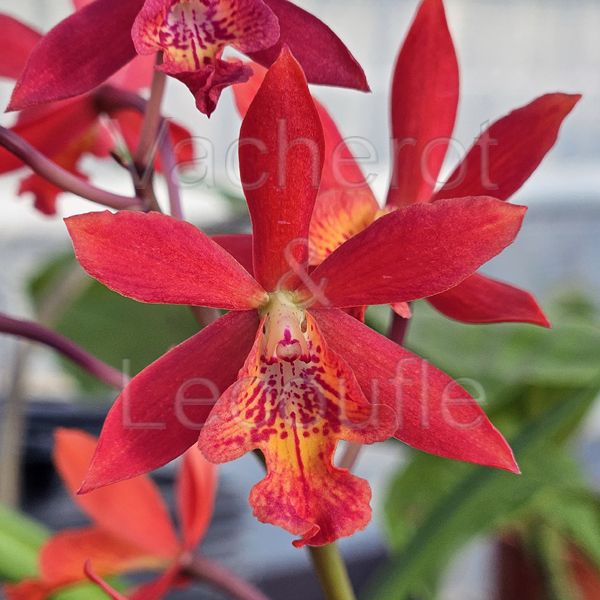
<point x="192" y="35"/>
<point x="294" y="400"/>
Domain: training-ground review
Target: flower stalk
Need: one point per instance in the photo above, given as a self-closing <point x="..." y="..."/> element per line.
<point x="61" y="177"/>
<point x="38" y="333"/>
<point x="152" y="126"/>
<point x="211" y="572"/>
<point x="332" y="572"/>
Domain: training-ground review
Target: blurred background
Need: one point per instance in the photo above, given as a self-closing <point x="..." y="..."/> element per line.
<point x="509" y="52"/>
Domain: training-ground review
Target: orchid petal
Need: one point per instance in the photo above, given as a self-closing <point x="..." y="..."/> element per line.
<point x="294" y="400"/>
<point x="157" y="589"/>
<point x="79" y="4"/>
<point x="245" y="92"/>
<point x="192" y="36"/>
<point x="339" y="215"/>
<point x="158" y="415"/>
<point x="196" y="489"/>
<point x="207" y="83"/>
<point x="45" y="193"/>
<point x="402" y="309"/>
<point x="322" y="55"/>
<point x="281" y="158"/>
<point x="80" y="53"/>
<point x="239" y="246"/>
<point x="18" y="40"/>
<point x="511" y="149"/>
<point x="340" y="168"/>
<point x="425" y="93"/>
<point x="417" y="251"/>
<point x="480" y="299"/>
<point x="53" y="129"/>
<point x="435" y="414"/>
<point x="131" y="511"/>
<point x="63" y="556"/>
<point x="154" y="590"/>
<point x="28" y="589"/>
<point x="155" y="258"/>
<point x="135" y="75"/>
<point x="91" y="574"/>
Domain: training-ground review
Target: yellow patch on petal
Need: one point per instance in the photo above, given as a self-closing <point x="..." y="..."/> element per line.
<point x="338" y="216"/>
<point x="294" y="400"/>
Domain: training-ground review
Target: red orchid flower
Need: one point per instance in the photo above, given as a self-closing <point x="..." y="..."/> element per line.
<point x="191" y="35"/>
<point x="68" y="130"/>
<point x="132" y="530"/>
<point x="424" y="102"/>
<point x="520" y="573"/>
<point x="286" y="371"/>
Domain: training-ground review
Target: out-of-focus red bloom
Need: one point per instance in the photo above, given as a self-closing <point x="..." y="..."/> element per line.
<point x="287" y="371"/>
<point x="66" y="131"/>
<point x="105" y="35"/>
<point x="131" y="530"/>
<point x="521" y="575"/>
<point x="425" y="94"/>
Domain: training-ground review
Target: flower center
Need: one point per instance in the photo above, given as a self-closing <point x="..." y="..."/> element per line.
<point x="285" y="329"/>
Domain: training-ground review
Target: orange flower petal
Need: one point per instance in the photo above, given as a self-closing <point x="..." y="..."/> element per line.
<point x="294" y="400"/>
<point x="196" y="489"/>
<point x="29" y="589"/>
<point x="63" y="556"/>
<point x="339" y="215"/>
<point x="131" y="510"/>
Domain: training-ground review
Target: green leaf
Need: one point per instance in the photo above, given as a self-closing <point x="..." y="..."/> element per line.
<point x="551" y="551"/>
<point x="122" y="332"/>
<point x="20" y="540"/>
<point x="474" y="500"/>
<point x="508" y="354"/>
<point x="82" y="591"/>
<point x="576" y="514"/>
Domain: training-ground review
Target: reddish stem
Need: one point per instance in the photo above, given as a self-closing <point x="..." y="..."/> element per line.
<point x="211" y="572"/>
<point x="144" y="153"/>
<point x="110" y="99"/>
<point x="60" y="177"/>
<point x="169" y="165"/>
<point x="38" y="333"/>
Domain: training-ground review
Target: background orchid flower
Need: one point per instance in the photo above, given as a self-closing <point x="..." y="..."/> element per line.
<point x="68" y="130"/>
<point x="424" y="101"/>
<point x="520" y="571"/>
<point x="425" y="93"/>
<point x="286" y="371"/>
<point x="191" y="35"/>
<point x="131" y="530"/>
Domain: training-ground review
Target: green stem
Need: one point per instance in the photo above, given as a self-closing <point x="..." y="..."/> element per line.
<point x="332" y="572"/>
<point x="327" y="559"/>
